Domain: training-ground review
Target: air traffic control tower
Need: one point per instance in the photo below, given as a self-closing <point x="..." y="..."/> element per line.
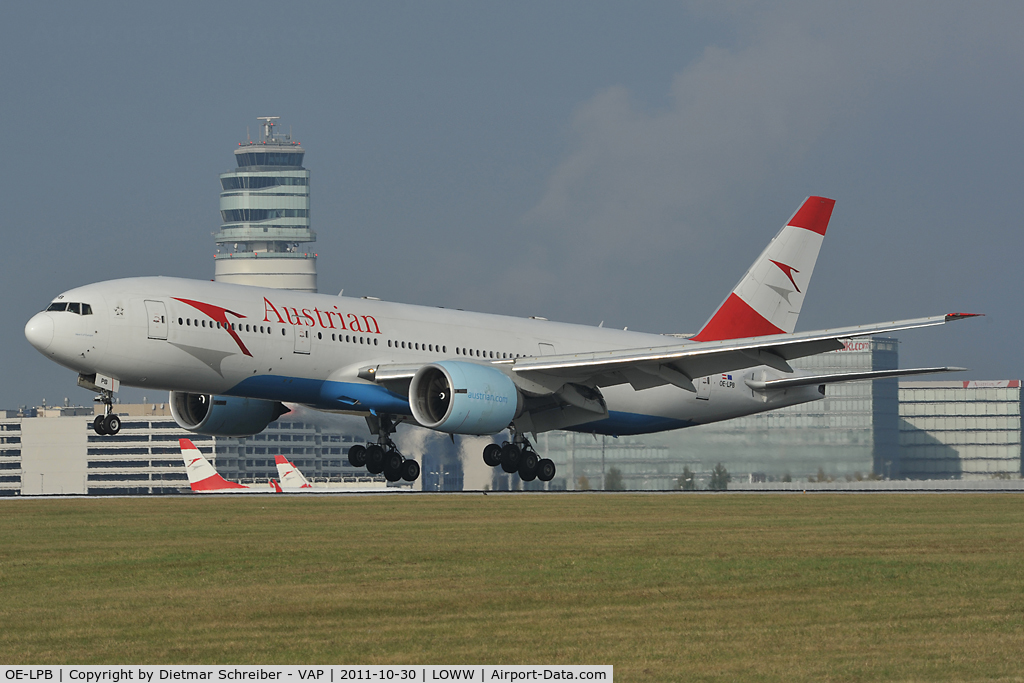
<point x="264" y="205"/>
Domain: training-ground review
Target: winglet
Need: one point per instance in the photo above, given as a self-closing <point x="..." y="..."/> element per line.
<point x="960" y="316"/>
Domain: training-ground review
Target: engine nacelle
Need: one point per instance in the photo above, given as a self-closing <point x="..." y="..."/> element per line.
<point x="223" y="415"/>
<point x="463" y="398"/>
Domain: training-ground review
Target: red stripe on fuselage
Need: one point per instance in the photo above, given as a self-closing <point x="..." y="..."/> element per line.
<point x="814" y="214"/>
<point x="736" y="319"/>
<point x="219" y="315"/>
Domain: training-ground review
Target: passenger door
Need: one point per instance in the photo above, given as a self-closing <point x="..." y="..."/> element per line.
<point x="156" y="314"/>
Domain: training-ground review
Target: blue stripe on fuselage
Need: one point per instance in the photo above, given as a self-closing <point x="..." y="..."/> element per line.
<point x="328" y="395"/>
<point x="323" y="394"/>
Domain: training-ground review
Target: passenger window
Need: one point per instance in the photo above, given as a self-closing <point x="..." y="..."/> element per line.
<point x="188" y="321"/>
<point x="283" y="333"/>
<point x="375" y="341"/>
<point x="75" y="308"/>
<point x="319" y="335"/>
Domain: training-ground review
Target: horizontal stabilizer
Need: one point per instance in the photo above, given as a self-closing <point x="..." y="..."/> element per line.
<point x="808" y="380"/>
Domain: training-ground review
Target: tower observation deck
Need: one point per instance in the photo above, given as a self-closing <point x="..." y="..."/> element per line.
<point x="264" y="236"/>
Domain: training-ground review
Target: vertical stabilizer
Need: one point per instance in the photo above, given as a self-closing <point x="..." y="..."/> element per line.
<point x="201" y="474"/>
<point x="291" y="477"/>
<point x="768" y="298"/>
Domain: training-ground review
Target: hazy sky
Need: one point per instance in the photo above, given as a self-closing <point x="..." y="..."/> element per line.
<point x="581" y="161"/>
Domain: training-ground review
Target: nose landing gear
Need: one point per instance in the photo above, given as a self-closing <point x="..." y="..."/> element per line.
<point x="107" y="424"/>
<point x="384" y="455"/>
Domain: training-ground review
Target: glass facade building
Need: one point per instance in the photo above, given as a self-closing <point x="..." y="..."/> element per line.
<point x="960" y="430"/>
<point x="853" y="431"/>
<point x="265" y="228"/>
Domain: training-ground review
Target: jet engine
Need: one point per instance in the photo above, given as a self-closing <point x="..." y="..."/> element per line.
<point x="463" y="398"/>
<point x="223" y="415"/>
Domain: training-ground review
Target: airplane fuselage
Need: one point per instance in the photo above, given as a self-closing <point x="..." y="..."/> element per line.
<point x="214" y="338"/>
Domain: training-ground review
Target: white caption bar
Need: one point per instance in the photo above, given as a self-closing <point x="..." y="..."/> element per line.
<point x="302" y="674"/>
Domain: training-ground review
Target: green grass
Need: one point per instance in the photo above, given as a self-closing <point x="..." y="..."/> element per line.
<point x="664" y="587"/>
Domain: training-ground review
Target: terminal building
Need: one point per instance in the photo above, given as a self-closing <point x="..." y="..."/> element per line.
<point x="54" y="451"/>
<point x="265" y="232"/>
<point x="960" y="430"/>
<point x="853" y="431"/>
<point x="933" y="430"/>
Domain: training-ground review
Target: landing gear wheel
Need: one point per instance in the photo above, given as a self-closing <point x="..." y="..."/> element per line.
<point x="357" y="456"/>
<point x="410" y="470"/>
<point x="529" y="464"/>
<point x="374" y="459"/>
<point x="392" y="465"/>
<point x="492" y="455"/>
<point x="545" y="470"/>
<point x="510" y="456"/>
<point x="97" y="425"/>
<point x="111" y="424"/>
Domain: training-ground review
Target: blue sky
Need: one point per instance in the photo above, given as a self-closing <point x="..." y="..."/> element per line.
<point x="581" y="161"/>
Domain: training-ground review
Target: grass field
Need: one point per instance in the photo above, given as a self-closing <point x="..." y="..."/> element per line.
<point x="664" y="587"/>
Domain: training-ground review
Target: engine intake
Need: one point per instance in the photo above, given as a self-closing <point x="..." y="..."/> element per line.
<point x="463" y="398"/>
<point x="223" y="415"/>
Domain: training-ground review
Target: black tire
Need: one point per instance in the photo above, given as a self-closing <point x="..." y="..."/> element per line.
<point x="510" y="455"/>
<point x="357" y="456"/>
<point x="112" y="424"/>
<point x="97" y="425"/>
<point x="410" y="470"/>
<point x="393" y="465"/>
<point x="529" y="463"/>
<point x="374" y="459"/>
<point x="492" y="455"/>
<point x="545" y="470"/>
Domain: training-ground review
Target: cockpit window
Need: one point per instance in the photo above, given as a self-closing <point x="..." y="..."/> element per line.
<point x="74" y="307"/>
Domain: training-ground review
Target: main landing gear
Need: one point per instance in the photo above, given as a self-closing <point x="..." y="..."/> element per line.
<point x="384" y="456"/>
<point x="107" y="424"/>
<point x="519" y="456"/>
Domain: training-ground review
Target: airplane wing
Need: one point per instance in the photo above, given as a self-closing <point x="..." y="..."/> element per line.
<point x="679" y="364"/>
<point x="837" y="377"/>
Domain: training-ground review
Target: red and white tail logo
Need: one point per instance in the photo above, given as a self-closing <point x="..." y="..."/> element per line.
<point x="768" y="298"/>
<point x="201" y="474"/>
<point x="291" y="477"/>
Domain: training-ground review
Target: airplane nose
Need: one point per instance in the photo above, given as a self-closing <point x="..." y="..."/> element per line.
<point x="39" y="331"/>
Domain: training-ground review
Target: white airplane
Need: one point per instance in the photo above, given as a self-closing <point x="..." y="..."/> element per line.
<point x="230" y="355"/>
<point x="203" y="477"/>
